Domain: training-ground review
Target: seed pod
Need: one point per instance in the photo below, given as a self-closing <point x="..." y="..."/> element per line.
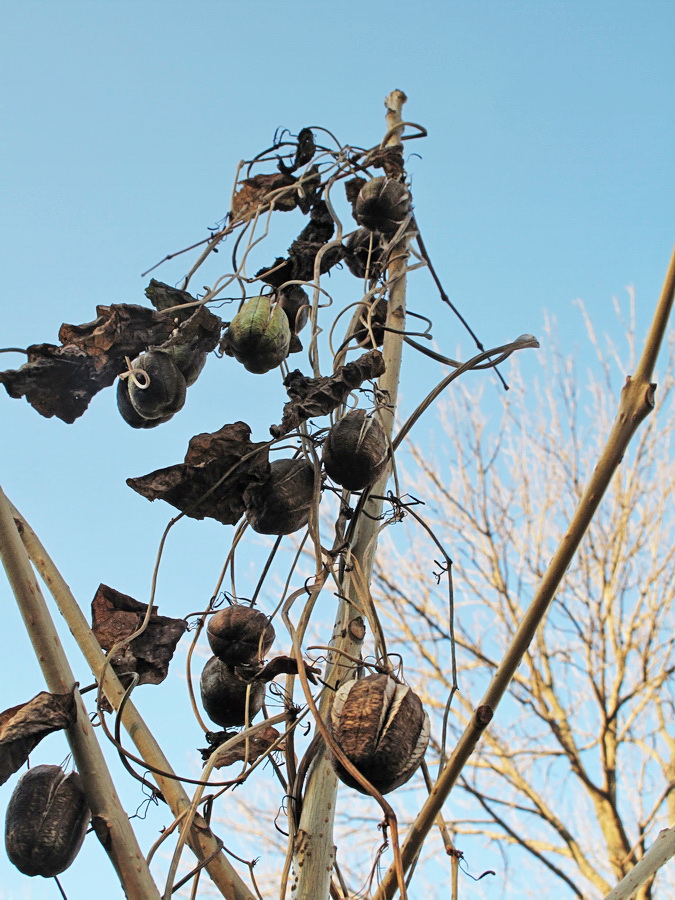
<point x="46" y="821"/>
<point x="382" y="728"/>
<point x="374" y="316"/>
<point x="224" y="694"/>
<point x="356" y="453"/>
<point x="382" y="205"/>
<point x="259" y="335"/>
<point x="359" y="251"/>
<point x="240" y="634"/>
<point x="190" y="362"/>
<point x="129" y="414"/>
<point x="165" y="391"/>
<point x="295" y="303"/>
<point x="281" y="504"/>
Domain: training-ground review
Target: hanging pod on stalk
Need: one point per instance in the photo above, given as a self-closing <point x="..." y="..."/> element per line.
<point x="46" y="821"/>
<point x="224" y="690"/>
<point x="259" y="336"/>
<point x="382" y="728"/>
<point x="383" y="204"/>
<point x="240" y="634"/>
<point x="281" y="505"/>
<point x="356" y="452"/>
<point x="363" y="253"/>
<point x="154" y="390"/>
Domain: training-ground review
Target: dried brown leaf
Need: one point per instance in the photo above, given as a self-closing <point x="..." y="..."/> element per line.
<point x="60" y="381"/>
<point x="115" y="616"/>
<point x="22" y="727"/>
<point x="258" y="744"/>
<point x="258" y="192"/>
<point x="286" y="665"/>
<point x="224" y="462"/>
<point x="319" y="396"/>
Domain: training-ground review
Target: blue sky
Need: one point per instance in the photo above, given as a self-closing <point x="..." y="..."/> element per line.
<point x="546" y="176"/>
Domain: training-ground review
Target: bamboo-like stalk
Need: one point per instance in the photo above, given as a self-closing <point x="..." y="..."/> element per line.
<point x="314" y="852"/>
<point x="637" y="401"/>
<point x="662" y="850"/>
<point x="201" y="839"/>
<point x="111" y="823"/>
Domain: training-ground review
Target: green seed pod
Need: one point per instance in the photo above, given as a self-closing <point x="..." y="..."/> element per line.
<point x="259" y="336"/>
<point x="224" y="694"/>
<point x="189" y="362"/>
<point x="382" y="728"/>
<point x="281" y="504"/>
<point x="382" y="205"/>
<point x="46" y="821"/>
<point x="240" y="634"/>
<point x="356" y="452"/>
<point x="159" y="388"/>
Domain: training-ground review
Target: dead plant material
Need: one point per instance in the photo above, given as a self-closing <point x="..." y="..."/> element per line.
<point x="383" y="205"/>
<point x="247" y="749"/>
<point x="240" y="634"/>
<point x="46" y="821"/>
<point x="356" y="451"/>
<point x="224" y="691"/>
<point x="22" y="727"/>
<point x="281" y="505"/>
<point x="312" y="397"/>
<point x="382" y="728"/>
<point x="221" y="464"/>
<point x="61" y="381"/>
<point x="116" y="616"/>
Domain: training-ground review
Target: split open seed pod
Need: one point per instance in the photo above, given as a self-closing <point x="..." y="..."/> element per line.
<point x="240" y="634"/>
<point x="356" y="452"/>
<point x="129" y="414"/>
<point x="363" y="253"/>
<point x="281" y="505"/>
<point x="382" y="205"/>
<point x="158" y="388"/>
<point x="259" y="336"/>
<point x="224" y="694"/>
<point x="382" y="728"/>
<point x="46" y="821"/>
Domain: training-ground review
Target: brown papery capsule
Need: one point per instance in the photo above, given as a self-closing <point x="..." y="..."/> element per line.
<point x="281" y="504"/>
<point x="129" y="414"/>
<point x="382" y="205"/>
<point x="382" y="728"/>
<point x="224" y="694"/>
<point x="240" y="634"/>
<point x="356" y="452"/>
<point x="46" y="821"/>
<point x="363" y="253"/>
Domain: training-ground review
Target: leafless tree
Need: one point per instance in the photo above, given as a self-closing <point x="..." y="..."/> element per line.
<point x="577" y="770"/>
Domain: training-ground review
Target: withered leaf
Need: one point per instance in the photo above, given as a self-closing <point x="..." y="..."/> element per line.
<point x="60" y="381"/>
<point x="286" y="665"/>
<point x="115" y="616"/>
<point x="259" y="192"/>
<point x="224" y="462"/>
<point x="22" y="727"/>
<point x="258" y="744"/>
<point x="164" y="296"/>
<point x="319" y="396"/>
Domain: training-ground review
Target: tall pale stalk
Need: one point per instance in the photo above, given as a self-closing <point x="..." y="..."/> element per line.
<point x="313" y="852"/>
<point x="110" y="821"/>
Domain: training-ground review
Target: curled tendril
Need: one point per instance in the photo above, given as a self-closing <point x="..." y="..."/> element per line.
<point x="133" y="373"/>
